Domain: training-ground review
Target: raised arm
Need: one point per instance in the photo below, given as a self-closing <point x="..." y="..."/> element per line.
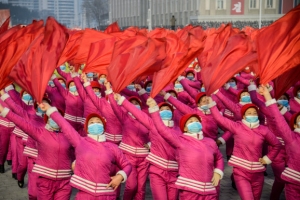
<point x="169" y="135"/>
<point x="230" y="105"/>
<point x="116" y="108"/>
<point x="242" y="80"/>
<point x="15" y="107"/>
<point x="60" y="88"/>
<point x="191" y="91"/>
<point x="80" y="89"/>
<point x="261" y="105"/>
<point x="28" y="128"/>
<point x="63" y="74"/>
<point x="16" y="97"/>
<point x="184" y="109"/>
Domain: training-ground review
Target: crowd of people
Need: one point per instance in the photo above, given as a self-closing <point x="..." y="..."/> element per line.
<point x="86" y="136"/>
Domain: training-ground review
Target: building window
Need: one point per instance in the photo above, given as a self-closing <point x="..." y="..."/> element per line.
<point x="254" y="4"/>
<point x="221" y="4"/>
<point x="270" y="4"/>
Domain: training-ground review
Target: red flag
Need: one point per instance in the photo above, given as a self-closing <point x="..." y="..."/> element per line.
<point x="278" y="46"/>
<point x="100" y="55"/>
<point x="71" y="47"/>
<point x="9" y="33"/>
<point x="112" y="28"/>
<point x="36" y="66"/>
<point x="89" y="36"/>
<point x="235" y="56"/>
<point x="4" y="26"/>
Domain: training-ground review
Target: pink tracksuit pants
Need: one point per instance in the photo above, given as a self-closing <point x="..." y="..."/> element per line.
<point x="4" y="144"/>
<point x="32" y="177"/>
<point x="86" y="196"/>
<point x="278" y="185"/>
<point x="22" y="160"/>
<point x="162" y="183"/>
<point x="136" y="182"/>
<point x="9" y="156"/>
<point x="187" y="195"/>
<point x="48" y="189"/>
<point x="249" y="185"/>
<point x="292" y="191"/>
<point x="14" y="156"/>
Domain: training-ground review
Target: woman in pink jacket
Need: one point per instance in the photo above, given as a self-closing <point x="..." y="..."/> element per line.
<point x="198" y="178"/>
<point x="295" y="102"/>
<point x="54" y="95"/>
<point x="163" y="167"/>
<point x="74" y="104"/>
<point x="247" y="161"/>
<point x="135" y="136"/>
<point x="95" y="158"/>
<point x="291" y="137"/>
<point x="53" y="165"/>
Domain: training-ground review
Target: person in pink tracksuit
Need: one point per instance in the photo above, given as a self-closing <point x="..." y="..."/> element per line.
<point x="279" y="162"/>
<point x="61" y="71"/>
<point x="295" y="102"/>
<point x="113" y="130"/>
<point x="94" y="174"/>
<point x="163" y="167"/>
<point x="6" y="128"/>
<point x="247" y="161"/>
<point x="176" y="113"/>
<point x="200" y="161"/>
<point x="135" y="136"/>
<point x="184" y="94"/>
<point x="290" y="134"/>
<point x="210" y="128"/>
<point x="54" y="95"/>
<point x="53" y="165"/>
<point x="74" y="104"/>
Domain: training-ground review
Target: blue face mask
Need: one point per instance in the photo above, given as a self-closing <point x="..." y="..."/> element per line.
<point x="64" y="85"/>
<point x="252" y="119"/>
<point x="298" y="95"/>
<point x="148" y="89"/>
<point x="194" y="127"/>
<point x="204" y="107"/>
<point x="53" y="124"/>
<point x="202" y="89"/>
<point x="96" y="129"/>
<point x="190" y="77"/>
<point x="90" y="75"/>
<point x="246" y="99"/>
<point x="298" y="124"/>
<point x="138" y="107"/>
<point x="62" y="67"/>
<point x="232" y="84"/>
<point x="178" y="86"/>
<point x="166" y="114"/>
<point x="27" y="97"/>
<point x="72" y="88"/>
<point x="39" y="110"/>
<point x="97" y="93"/>
<point x="51" y="83"/>
<point x="284" y="103"/>
<point x="102" y="80"/>
<point x="130" y="87"/>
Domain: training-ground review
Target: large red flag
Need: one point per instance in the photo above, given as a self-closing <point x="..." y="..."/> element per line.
<point x="278" y="46"/>
<point x="112" y="28"/>
<point x="100" y="55"/>
<point x="235" y="56"/>
<point x="71" y="47"/>
<point x="4" y="26"/>
<point x="37" y="65"/>
<point x="89" y="36"/>
<point x="9" y="33"/>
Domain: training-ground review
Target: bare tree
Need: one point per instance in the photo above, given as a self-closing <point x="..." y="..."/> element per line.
<point x="96" y="10"/>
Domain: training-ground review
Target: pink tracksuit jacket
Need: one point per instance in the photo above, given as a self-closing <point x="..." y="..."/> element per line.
<point x="66" y="76"/>
<point x="56" y="98"/>
<point x="295" y="104"/>
<point x="162" y="158"/>
<point x="210" y="127"/>
<point x="113" y="132"/>
<point x="291" y="174"/>
<point x="195" y="173"/>
<point x="95" y="160"/>
<point x="74" y="106"/>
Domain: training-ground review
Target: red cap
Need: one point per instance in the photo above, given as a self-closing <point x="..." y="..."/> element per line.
<point x="69" y="82"/>
<point x="59" y="110"/>
<point x="296" y="90"/>
<point x="293" y="120"/>
<point x="135" y="98"/>
<point x="61" y="79"/>
<point x="169" y="91"/>
<point x="240" y="93"/>
<point x="199" y="96"/>
<point x="95" y="84"/>
<point x="247" y="106"/>
<point x="190" y="71"/>
<point x="185" y="118"/>
<point x="166" y="104"/>
<point x="91" y="116"/>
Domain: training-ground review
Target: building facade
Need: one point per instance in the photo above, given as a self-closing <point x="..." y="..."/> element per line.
<point x="137" y="12"/>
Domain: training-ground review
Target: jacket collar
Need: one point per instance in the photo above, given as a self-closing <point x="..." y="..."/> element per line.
<point x="251" y="125"/>
<point x="168" y="123"/>
<point x="74" y="93"/>
<point x="98" y="138"/>
<point x="297" y="130"/>
<point x="206" y="112"/>
<point x="48" y="127"/>
<point x="198" y="136"/>
<point x="244" y="103"/>
<point x="296" y="99"/>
